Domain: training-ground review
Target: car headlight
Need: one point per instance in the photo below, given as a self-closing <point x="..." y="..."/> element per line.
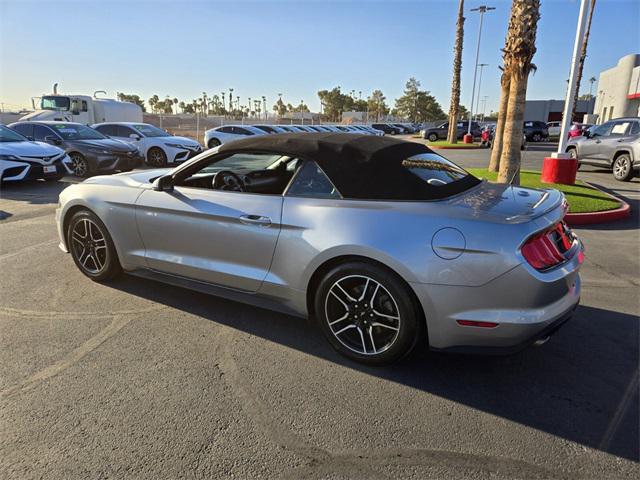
<point x="8" y="157"/>
<point x="98" y="150"/>
<point x="174" y="145"/>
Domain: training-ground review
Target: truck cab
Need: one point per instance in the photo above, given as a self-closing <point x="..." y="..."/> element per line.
<point x="63" y="108"/>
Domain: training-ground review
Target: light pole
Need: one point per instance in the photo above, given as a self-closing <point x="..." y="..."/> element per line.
<point x="481" y="65"/>
<point x="249" y="114"/>
<point x="264" y="107"/>
<point x="482" y="9"/>
<point x="231" y="100"/>
<point x="484" y="105"/>
<point x="560" y="168"/>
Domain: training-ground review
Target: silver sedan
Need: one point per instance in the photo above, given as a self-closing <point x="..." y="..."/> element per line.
<point x="382" y="241"/>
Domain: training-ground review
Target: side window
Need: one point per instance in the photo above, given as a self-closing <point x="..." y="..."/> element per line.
<point x="241" y="131"/>
<point x="123" y="131"/>
<point x="460" y="125"/>
<point x="225" y="130"/>
<point x="25" y="129"/>
<point x="109" y="130"/>
<point x="619" y="128"/>
<point x="311" y="181"/>
<point x="84" y="105"/>
<point x="635" y="128"/>
<point x="603" y="130"/>
<point x="528" y="124"/>
<point x="40" y="132"/>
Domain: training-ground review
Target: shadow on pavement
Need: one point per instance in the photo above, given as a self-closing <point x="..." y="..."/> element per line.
<point x="582" y="385"/>
<point x="33" y="191"/>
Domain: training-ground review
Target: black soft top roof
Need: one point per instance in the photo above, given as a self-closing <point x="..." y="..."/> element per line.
<point x="360" y="166"/>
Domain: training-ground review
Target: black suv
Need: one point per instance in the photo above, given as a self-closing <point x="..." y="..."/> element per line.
<point x="536" y="131"/>
<point x="387" y="128"/>
<point x="440" y="132"/>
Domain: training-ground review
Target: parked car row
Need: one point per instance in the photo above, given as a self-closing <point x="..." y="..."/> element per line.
<point x="228" y="133"/>
<point x="102" y="148"/>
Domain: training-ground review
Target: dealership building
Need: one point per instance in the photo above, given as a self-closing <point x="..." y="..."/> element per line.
<point x="619" y="90"/>
<point x="551" y="110"/>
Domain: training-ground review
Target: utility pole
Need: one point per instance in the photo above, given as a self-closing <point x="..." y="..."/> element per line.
<point x="481" y="65"/>
<point x="482" y="9"/>
<point x="264" y="107"/>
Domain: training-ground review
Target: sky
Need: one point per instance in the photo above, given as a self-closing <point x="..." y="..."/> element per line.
<point x="184" y="48"/>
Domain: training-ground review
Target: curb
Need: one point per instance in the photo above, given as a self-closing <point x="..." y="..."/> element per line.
<point x="605" y="216"/>
<point x="435" y="147"/>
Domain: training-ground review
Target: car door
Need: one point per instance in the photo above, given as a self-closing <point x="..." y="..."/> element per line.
<point x="609" y="143"/>
<point x="226" y="238"/>
<point x="589" y="147"/>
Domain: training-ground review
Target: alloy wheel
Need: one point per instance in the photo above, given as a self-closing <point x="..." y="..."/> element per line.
<point x="621" y="167"/>
<point x="362" y="314"/>
<point x="89" y="246"/>
<point x="156" y="157"/>
<point x="79" y="165"/>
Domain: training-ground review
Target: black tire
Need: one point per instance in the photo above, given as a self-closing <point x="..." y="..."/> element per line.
<point x="79" y="165"/>
<point x="433" y="137"/>
<point x="214" y="142"/>
<point x="622" y="168"/>
<point x="92" y="250"/>
<point x="536" y="137"/>
<point x="392" y="338"/>
<point x="156" y="158"/>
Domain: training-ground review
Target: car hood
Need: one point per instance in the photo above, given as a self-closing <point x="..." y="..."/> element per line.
<point x="506" y="203"/>
<point x="181" y="141"/>
<point x="106" y="143"/>
<point x="29" y="149"/>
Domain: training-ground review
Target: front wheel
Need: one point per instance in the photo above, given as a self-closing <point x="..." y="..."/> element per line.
<point x="622" y="168"/>
<point x="156" y="157"/>
<point x="367" y="313"/>
<point x="79" y="165"/>
<point x="214" y="142"/>
<point x="536" y="137"/>
<point x="91" y="247"/>
<point x="433" y="137"/>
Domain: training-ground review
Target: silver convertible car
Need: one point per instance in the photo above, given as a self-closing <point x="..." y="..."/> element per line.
<point x="382" y="241"/>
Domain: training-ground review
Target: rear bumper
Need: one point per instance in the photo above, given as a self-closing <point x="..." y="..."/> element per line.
<point x="108" y="163"/>
<point x="526" y="306"/>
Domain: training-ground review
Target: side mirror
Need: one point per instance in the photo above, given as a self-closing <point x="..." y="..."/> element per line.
<point x="164" y="184"/>
<point x="52" y="139"/>
<point x="134" y="136"/>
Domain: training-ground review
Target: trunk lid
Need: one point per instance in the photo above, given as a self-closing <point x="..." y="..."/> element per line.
<point x="508" y="204"/>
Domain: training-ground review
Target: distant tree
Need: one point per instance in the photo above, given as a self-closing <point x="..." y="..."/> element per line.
<point x="182" y="106"/>
<point x="280" y="108"/>
<point x="188" y="108"/>
<point x="360" y="105"/>
<point x="585" y="96"/>
<point x="153" y="101"/>
<point x="376" y="105"/>
<point x="175" y="102"/>
<point x="302" y="107"/>
<point x="124" y="97"/>
<point x="335" y="102"/>
<point x="454" y="108"/>
<point x="418" y="105"/>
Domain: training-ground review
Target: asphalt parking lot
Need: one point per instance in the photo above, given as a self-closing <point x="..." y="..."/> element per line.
<point x="140" y="380"/>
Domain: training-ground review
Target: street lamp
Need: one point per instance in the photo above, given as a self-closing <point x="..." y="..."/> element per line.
<point x="481" y="65"/>
<point x="482" y="9"/>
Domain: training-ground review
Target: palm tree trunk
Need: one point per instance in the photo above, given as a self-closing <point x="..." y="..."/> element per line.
<point x="519" y="49"/>
<point x="496" y="143"/>
<point x="452" y="134"/>
<point x="583" y="55"/>
<point x="509" y="171"/>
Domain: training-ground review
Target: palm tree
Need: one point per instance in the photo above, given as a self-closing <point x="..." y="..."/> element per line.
<point x="583" y="55"/>
<point x="496" y="152"/>
<point x="452" y="135"/>
<point x="520" y="47"/>
<point x="592" y="80"/>
<point x="181" y="105"/>
<point x="175" y="102"/>
<point x="231" y="100"/>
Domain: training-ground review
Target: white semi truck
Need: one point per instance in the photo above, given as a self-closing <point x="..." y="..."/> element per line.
<point x="83" y="109"/>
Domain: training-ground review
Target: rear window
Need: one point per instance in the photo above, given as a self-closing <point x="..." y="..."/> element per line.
<point x="422" y="176"/>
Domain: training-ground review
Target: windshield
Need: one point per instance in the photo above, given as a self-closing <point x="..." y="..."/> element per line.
<point x="55" y="103"/>
<point x="150" y="131"/>
<point x="75" y="131"/>
<point x="8" y="135"/>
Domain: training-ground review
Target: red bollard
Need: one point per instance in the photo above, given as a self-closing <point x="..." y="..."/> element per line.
<point x="559" y="170"/>
<point x="468" y="138"/>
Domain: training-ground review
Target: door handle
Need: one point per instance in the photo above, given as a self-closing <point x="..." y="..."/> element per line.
<point x="255" y="220"/>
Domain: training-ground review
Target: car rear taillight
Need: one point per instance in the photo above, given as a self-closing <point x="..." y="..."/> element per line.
<point x="549" y="248"/>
